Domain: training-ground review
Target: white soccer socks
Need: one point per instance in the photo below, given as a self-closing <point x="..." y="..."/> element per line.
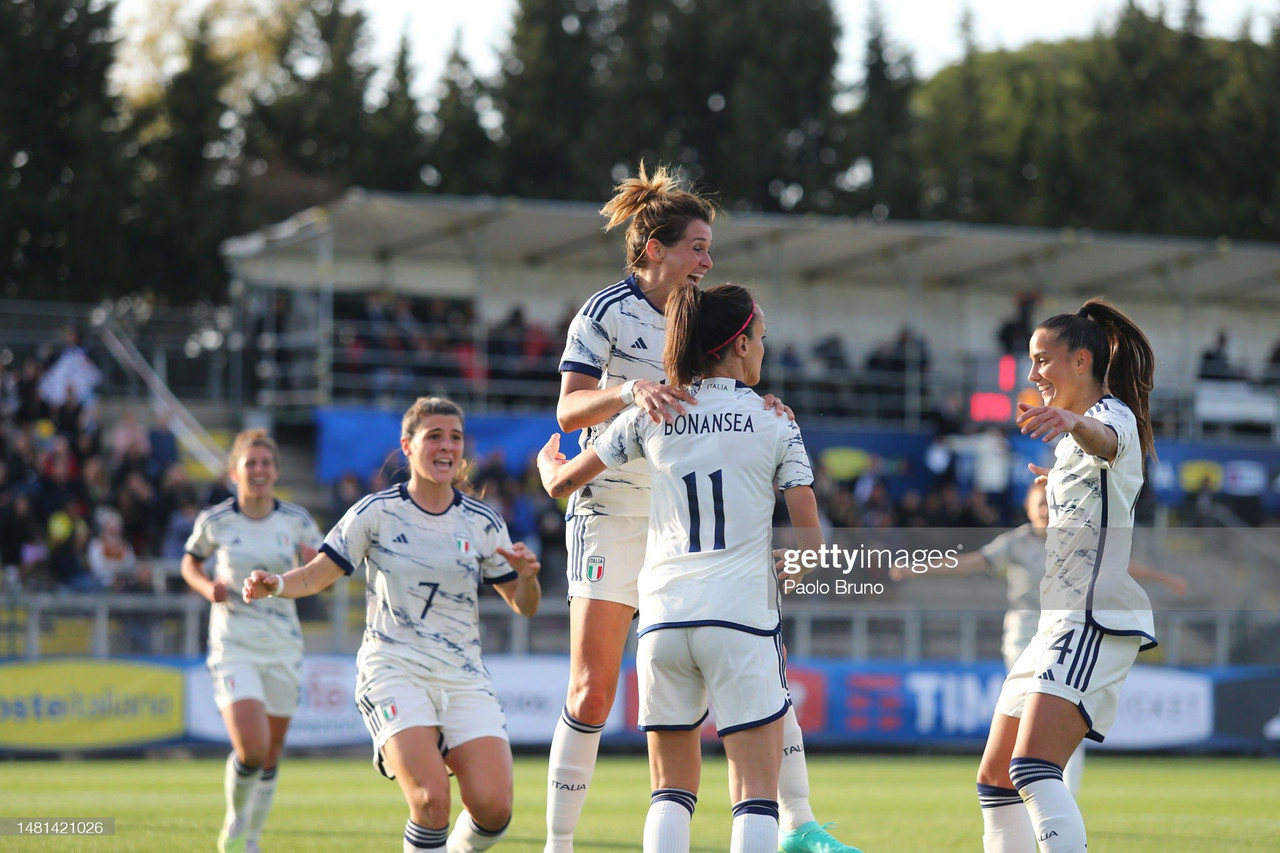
<point x="572" y="761"/>
<point x="793" y="776"/>
<point x="419" y="839"/>
<point x="755" y="827"/>
<point x="1006" y="826"/>
<point x="666" y="827"/>
<point x="470" y="837"/>
<point x="238" y="784"/>
<point x="260" y="802"/>
<point x="1059" y="828"/>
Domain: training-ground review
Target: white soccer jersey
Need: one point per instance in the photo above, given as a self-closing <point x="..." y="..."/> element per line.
<point x="1018" y="556"/>
<point x="1091" y="503"/>
<point x="266" y="631"/>
<point x="709" y="554"/>
<point x="423" y="574"/>
<point x="616" y="337"/>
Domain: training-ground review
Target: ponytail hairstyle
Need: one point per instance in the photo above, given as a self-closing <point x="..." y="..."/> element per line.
<point x="425" y="407"/>
<point x="700" y="325"/>
<point x="248" y="439"/>
<point x="658" y="209"/>
<point x="1122" y="358"/>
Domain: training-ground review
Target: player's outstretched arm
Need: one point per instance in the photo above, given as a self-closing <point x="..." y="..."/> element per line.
<point x="523" y="594"/>
<point x="306" y="580"/>
<point x="1048" y="422"/>
<point x="1173" y="583"/>
<point x="967" y="564"/>
<point x="561" y="477"/>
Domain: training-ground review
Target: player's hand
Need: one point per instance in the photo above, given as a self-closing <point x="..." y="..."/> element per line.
<point x="1176" y="585"/>
<point x="1046" y="422"/>
<point x="259" y="584"/>
<point x="661" y="402"/>
<point x="1041" y="472"/>
<point x="522" y="560"/>
<point x="218" y="592"/>
<point x="307" y="553"/>
<point x="549" y="460"/>
<point x="779" y="407"/>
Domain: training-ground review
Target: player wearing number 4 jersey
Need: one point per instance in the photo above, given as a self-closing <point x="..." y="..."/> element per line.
<point x="612" y="361"/>
<point x="1094" y="371"/>
<point x="709" y="627"/>
<point x="422" y="686"/>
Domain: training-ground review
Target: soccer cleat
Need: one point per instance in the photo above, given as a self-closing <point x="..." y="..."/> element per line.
<point x="231" y="839"/>
<point x="810" y="837"/>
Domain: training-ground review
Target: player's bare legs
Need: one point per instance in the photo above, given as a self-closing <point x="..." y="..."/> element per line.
<point x="413" y="756"/>
<point x="754" y="756"/>
<point x="675" y="767"/>
<point x="598" y="631"/>
<point x="1052" y="727"/>
<point x="483" y="768"/>
<point x="246" y="722"/>
<point x="1005" y="822"/>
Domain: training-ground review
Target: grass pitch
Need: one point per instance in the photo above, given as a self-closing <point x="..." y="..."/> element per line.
<point x="896" y="804"/>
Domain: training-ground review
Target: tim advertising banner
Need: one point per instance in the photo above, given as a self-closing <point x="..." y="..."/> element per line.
<point x="89" y="704"/>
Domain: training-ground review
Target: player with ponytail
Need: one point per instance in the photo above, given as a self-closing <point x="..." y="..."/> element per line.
<point x="1094" y="369"/>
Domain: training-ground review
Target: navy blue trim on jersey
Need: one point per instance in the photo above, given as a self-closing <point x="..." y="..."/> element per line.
<point x="594" y="302"/>
<point x="581" y="367"/>
<point x="681" y="728"/>
<point x="635" y="289"/>
<point x="715" y="623"/>
<point x="370" y="499"/>
<point x="603" y="306"/>
<point x="755" y="724"/>
<point x="404" y="495"/>
<point x="235" y="507"/>
<point x="508" y="577"/>
<point x="1089" y="619"/>
<point x="481" y="508"/>
<point x="342" y="562"/>
<point x="1093" y="733"/>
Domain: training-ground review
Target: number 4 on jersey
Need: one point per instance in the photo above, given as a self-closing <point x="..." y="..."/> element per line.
<point x="695" y="515"/>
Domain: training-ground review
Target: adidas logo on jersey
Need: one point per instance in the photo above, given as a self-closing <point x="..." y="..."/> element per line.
<point x="639" y="343"/>
<point x="401" y="540"/>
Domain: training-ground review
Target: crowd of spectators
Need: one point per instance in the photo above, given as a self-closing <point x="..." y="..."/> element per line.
<point x="85" y="506"/>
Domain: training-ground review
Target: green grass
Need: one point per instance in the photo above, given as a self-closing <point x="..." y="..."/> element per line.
<point x="895" y="804"/>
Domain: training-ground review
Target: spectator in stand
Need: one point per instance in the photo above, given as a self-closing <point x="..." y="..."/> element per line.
<point x="1271" y="374"/>
<point x="68" y="537"/>
<point x="346" y="492"/>
<point x="59" y="482"/>
<point x="22" y="539"/>
<point x="181" y="521"/>
<point x="137" y="502"/>
<point x="126" y="437"/>
<point x="164" y="446"/>
<point x="31" y="406"/>
<point x="1215" y="360"/>
<point x="8" y="393"/>
<point x="111" y="559"/>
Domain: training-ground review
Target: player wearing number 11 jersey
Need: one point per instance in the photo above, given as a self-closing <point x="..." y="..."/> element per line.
<point x="710" y="631"/>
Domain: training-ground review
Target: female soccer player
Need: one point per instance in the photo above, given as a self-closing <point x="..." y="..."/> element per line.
<point x="255" y="653"/>
<point x="422" y="686"/>
<point x="1018" y="556"/>
<point x="709" y="620"/>
<point x="1094" y="371"/>
<point x="611" y="360"/>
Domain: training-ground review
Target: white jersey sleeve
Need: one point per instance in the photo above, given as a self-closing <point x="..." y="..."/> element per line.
<point x="794" y="468"/>
<point x="617" y="336"/>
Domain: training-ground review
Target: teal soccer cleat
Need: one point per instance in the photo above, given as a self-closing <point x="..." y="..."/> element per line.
<point x="810" y="837"/>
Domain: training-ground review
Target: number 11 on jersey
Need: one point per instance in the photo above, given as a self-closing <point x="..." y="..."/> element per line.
<point x="695" y="514"/>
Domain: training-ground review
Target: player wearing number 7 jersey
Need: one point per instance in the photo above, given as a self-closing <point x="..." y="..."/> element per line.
<point x="709" y="621"/>
<point x="422" y="686"/>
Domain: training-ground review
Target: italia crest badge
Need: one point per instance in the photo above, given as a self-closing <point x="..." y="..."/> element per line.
<point x="387" y="710"/>
<point x="595" y="568"/>
<point x="463" y="543"/>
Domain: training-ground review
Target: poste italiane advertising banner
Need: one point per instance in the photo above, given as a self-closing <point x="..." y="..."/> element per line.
<point x="87" y="703"/>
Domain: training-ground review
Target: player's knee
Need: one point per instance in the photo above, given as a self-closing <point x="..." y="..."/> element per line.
<point x="428" y="805"/>
<point x="590" y="703"/>
<point x="491" y="809"/>
<point x="993" y="773"/>
<point x="253" y="753"/>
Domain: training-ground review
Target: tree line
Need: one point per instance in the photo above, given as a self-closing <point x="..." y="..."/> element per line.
<point x="1147" y="126"/>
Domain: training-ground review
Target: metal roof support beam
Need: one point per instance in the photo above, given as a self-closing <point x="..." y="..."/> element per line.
<point x="1029" y="262"/>
<point x="885" y="254"/>
<point x="457" y="230"/>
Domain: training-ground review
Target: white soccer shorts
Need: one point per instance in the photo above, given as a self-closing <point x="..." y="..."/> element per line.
<point x="392" y="702"/>
<point x="1076" y="661"/>
<point x="679" y="669"/>
<point x="276" y="685"/>
<point x="606" y="554"/>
